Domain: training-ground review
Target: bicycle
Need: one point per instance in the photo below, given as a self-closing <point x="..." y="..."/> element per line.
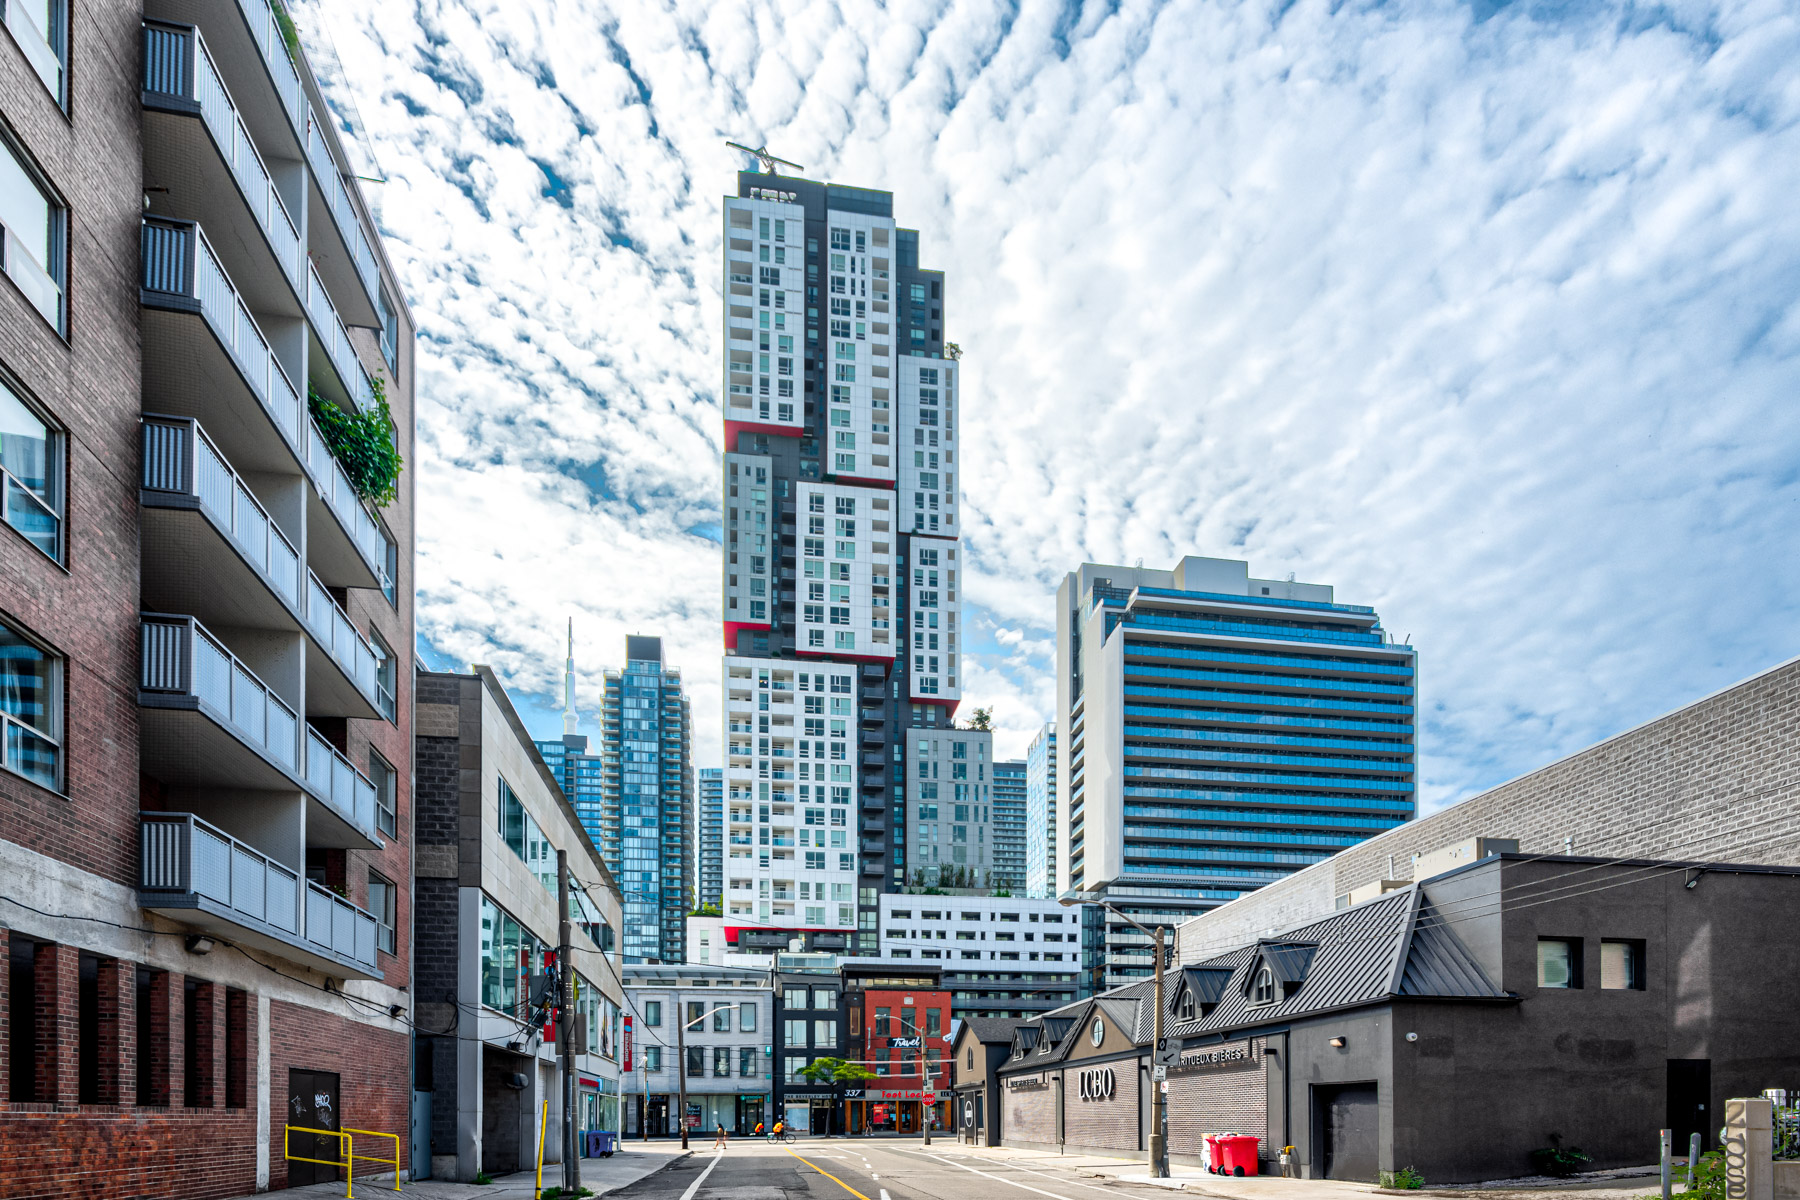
<point x="785" y="1135"/>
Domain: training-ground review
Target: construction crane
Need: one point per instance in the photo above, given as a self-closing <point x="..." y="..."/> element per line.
<point x="768" y="160"/>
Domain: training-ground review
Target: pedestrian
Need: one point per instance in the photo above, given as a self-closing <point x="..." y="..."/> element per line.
<point x="719" y="1141"/>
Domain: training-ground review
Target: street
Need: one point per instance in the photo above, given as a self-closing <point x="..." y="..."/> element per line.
<point x="872" y="1169"/>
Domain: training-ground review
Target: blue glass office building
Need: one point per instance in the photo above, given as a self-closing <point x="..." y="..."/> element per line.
<point x="636" y="796"/>
<point x="710" y="871"/>
<point x="1218" y="732"/>
<point x="1040" y="814"/>
<point x="1009" y="826"/>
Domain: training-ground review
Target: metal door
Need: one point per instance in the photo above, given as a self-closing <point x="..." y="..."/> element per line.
<point x="1350" y="1130"/>
<point x="420" y="1154"/>
<point x="1690" y="1102"/>
<point x="313" y="1103"/>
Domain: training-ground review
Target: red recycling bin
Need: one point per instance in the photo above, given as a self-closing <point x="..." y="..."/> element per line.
<point x="1212" y="1153"/>
<point x="1236" y="1154"/>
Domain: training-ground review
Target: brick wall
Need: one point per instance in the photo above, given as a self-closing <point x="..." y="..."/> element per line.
<point x="1111" y="1124"/>
<point x="1711" y="782"/>
<point x="375" y="1085"/>
<point x="1228" y="1099"/>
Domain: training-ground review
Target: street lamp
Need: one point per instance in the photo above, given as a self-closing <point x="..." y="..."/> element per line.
<point x="681" y="1029"/>
<point x="1159" y="1161"/>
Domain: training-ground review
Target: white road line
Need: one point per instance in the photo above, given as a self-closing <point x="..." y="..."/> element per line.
<point x="695" y="1186"/>
<point x="1070" y="1182"/>
<point x="998" y="1178"/>
<point x="884" y="1195"/>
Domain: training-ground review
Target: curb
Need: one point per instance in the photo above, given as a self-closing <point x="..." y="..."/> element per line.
<point x="685" y="1154"/>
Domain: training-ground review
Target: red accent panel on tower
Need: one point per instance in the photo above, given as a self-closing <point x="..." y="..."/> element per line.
<point x="733" y="428"/>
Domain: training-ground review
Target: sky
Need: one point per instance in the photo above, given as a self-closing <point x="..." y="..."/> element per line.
<point x="1487" y="315"/>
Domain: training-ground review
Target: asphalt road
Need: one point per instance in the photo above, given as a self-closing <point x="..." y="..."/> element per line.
<point x="872" y="1169"/>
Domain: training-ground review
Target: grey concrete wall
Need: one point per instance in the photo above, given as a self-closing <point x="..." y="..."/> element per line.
<point x="1715" y="780"/>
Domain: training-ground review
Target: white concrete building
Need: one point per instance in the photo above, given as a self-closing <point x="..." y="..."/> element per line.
<point x="1041" y="817"/>
<point x="1001" y="955"/>
<point x="712" y="1025"/>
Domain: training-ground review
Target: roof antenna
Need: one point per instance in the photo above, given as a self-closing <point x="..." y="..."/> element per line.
<point x="768" y="160"/>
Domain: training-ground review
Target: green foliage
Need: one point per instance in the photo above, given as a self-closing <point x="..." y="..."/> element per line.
<point x="1404" y="1180"/>
<point x="483" y="1177"/>
<point x="363" y="444"/>
<point x="1558" y="1160"/>
<point x="289" y="34"/>
<point x="981" y="718"/>
<point x="706" y="910"/>
<point x="834" y="1070"/>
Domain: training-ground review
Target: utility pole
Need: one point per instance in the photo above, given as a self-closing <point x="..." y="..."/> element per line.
<point x="565" y="1027"/>
<point x="681" y="1063"/>
<point x="1159" y="1143"/>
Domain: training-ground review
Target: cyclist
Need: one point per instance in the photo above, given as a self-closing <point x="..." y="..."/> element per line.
<point x="760" y="1129"/>
<point x="780" y="1127"/>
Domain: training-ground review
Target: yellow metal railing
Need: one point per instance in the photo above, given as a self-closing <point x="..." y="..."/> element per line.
<point x="348" y="1157"/>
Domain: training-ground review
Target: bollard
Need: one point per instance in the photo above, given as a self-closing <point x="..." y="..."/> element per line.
<point x="1667" y="1135"/>
<point x="1693" y="1162"/>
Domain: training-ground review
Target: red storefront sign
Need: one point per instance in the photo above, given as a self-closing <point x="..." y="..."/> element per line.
<point x="628" y="1043"/>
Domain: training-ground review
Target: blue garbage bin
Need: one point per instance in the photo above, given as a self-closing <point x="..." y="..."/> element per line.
<point x="605" y="1142"/>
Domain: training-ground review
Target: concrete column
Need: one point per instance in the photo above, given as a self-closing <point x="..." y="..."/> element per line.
<point x="1749" y="1149"/>
<point x="469" y="1080"/>
<point x="262" y="1093"/>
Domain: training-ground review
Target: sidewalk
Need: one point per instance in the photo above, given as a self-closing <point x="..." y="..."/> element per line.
<point x="632" y="1162"/>
<point x="1598" y="1185"/>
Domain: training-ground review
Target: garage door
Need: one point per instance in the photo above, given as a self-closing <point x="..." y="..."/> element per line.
<point x="1349" y="1126"/>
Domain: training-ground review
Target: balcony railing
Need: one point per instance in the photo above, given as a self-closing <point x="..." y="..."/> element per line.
<point x="178" y="64"/>
<point x="332" y="627"/>
<point x="187" y="863"/>
<point x="341" y="498"/>
<point x="181" y="460"/>
<point x="183" y="854"/>
<point x="180" y="263"/>
<point x="266" y="33"/>
<point x="343" y="210"/>
<point x="336" y="339"/>
<point x="180" y="657"/>
<point x="336" y="925"/>
<point x="335" y="780"/>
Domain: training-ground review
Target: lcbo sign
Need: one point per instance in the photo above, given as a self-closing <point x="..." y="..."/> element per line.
<point x="1098" y="1084"/>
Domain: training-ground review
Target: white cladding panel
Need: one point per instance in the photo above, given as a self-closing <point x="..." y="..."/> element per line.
<point x="928" y="468"/>
<point x="765" y="313"/>
<point x="845" y="591"/>
<point x="752" y="520"/>
<point x="858" y="347"/>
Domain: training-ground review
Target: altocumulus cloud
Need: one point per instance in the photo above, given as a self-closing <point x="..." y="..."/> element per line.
<point x="1486" y="315"/>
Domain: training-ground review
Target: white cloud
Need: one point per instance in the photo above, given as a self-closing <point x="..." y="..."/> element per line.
<point x="1488" y="322"/>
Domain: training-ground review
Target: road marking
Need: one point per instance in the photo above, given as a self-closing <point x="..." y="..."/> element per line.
<point x="828" y="1175"/>
<point x="884" y="1195"/>
<point x="1070" y="1182"/>
<point x="695" y="1186"/>
<point x="998" y="1178"/>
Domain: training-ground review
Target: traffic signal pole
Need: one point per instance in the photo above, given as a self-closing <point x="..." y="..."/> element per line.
<point x="565" y="1026"/>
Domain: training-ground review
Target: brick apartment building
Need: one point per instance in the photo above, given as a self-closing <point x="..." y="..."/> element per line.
<point x="899" y="1028"/>
<point x="205" y="635"/>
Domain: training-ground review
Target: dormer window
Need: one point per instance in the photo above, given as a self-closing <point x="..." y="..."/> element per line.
<point x="1263" y="990"/>
<point x="1185" y="1008"/>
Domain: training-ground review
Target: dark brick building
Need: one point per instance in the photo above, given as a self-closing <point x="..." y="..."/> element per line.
<point x="205" y="633"/>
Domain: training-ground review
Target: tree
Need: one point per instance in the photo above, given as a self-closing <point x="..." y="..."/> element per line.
<point x="834" y="1070"/>
<point x="981" y="718"/>
<point x="706" y="910"/>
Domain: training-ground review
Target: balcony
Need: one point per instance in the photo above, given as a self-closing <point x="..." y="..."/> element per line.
<point x="209" y="721"/>
<point x="346" y="382"/>
<point x="194" y="873"/>
<point x="205" y="357"/>
<point x="199" y="150"/>
<point x="350" y="264"/>
<point x="212" y="550"/>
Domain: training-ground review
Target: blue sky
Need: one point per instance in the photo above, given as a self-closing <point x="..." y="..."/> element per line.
<point x="1485" y="314"/>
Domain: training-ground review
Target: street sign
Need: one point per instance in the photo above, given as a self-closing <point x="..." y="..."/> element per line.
<point x="1168" y="1052"/>
<point x="1159" y="1073"/>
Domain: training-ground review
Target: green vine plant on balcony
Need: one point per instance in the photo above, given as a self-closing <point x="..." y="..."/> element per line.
<point x="363" y="443"/>
<point x="289" y="34"/>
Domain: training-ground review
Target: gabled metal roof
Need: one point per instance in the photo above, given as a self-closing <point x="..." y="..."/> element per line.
<point x="1207" y="983"/>
<point x="1377" y="950"/>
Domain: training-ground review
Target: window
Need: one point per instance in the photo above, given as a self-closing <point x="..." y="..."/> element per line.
<point x="696" y="1062"/>
<point x="390" y="559"/>
<point x="653" y="1059"/>
<point x="523" y="836"/>
<point x="793" y="1033"/>
<point x="1185" y="1010"/>
<point x="32" y="228"/>
<point x="653" y="1012"/>
<point x="390" y="333"/>
<point x="696" y="1012"/>
<point x="746" y="1061"/>
<point x="747" y="1018"/>
<point x="1263" y="992"/>
<point x="881" y="1021"/>
<point x="1621" y="964"/>
<point x="381" y="906"/>
<point x="721" y="1062"/>
<point x="31" y="709"/>
<point x="824" y="1033"/>
<point x="722" y="1019"/>
<point x="794" y="997"/>
<point x="41" y="29"/>
<point x="1559" y="963"/>
<point x="931" y="1023"/>
<point x="386" y="783"/>
<point x="386" y="676"/>
<point x="31" y="471"/>
<point x="824" y="997"/>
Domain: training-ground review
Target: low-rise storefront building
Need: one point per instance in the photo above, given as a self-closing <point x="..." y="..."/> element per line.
<point x="1076" y="1080"/>
<point x="710" y="1027"/>
<point x="981" y="1048"/>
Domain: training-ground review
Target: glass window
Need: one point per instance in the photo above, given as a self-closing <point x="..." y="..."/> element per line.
<point x="507" y="955"/>
<point x="390" y="333"/>
<point x="881" y="1021"/>
<point x="1264" y="990"/>
<point x="721" y="1019"/>
<point x="386" y="782"/>
<point x="386" y="676"/>
<point x="653" y="1059"/>
<point x="381" y="906"/>
<point x="696" y="1012"/>
<point x="1621" y="965"/>
<point x="390" y="558"/>
<point x="31" y="709"/>
<point x="696" y="1061"/>
<point x="794" y="997"/>
<point x="721" y="1061"/>
<point x="746" y="1061"/>
<point x="1559" y="963"/>
<point x="653" y="1012"/>
<point x="41" y="29"/>
<point x="793" y="1033"/>
<point x="31" y="230"/>
<point x="747" y="1019"/>
<point x="824" y="1034"/>
<point x="31" y="470"/>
